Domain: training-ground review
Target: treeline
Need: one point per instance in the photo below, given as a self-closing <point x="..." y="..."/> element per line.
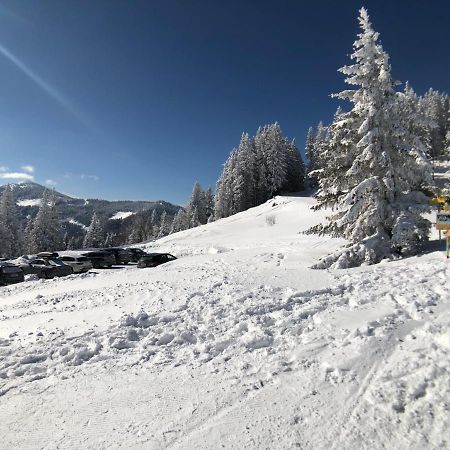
<point x="261" y="167"/>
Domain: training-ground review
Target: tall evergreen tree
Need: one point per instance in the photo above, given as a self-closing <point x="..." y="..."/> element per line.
<point x="197" y="203"/>
<point x="369" y="180"/>
<point x="311" y="156"/>
<point x="180" y="222"/>
<point x="46" y="234"/>
<point x="11" y="236"/>
<point x="271" y="146"/>
<point x="296" y="173"/>
<point x="95" y="234"/>
<point x="209" y="203"/>
<point x="163" y="225"/>
<point x="435" y="106"/>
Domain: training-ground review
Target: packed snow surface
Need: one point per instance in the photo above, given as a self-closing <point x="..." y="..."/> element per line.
<point x="237" y="344"/>
<point x="121" y="215"/>
<point x="29" y="202"/>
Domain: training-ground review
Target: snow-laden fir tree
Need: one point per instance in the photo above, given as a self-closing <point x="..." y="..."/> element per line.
<point x="245" y="194"/>
<point x="310" y="155"/>
<point x="223" y="206"/>
<point x="94" y="237"/>
<point x="5" y="251"/>
<point x="27" y="235"/>
<point x="180" y="222"/>
<point x="194" y="220"/>
<point x="199" y="205"/>
<point x="209" y="204"/>
<point x="46" y="234"/>
<point x="296" y="172"/>
<point x="163" y="225"/>
<point x="415" y="177"/>
<point x="375" y="171"/>
<point x="435" y="106"/>
<point x="11" y="243"/>
<point x="271" y="148"/>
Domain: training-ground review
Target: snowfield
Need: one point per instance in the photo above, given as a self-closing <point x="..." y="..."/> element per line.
<point x="121" y="215"/>
<point x="29" y="202"/>
<point x="237" y="344"/>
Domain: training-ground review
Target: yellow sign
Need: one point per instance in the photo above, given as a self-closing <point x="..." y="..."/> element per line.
<point x="438" y="200"/>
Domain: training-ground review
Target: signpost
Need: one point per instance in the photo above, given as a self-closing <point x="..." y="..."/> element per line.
<point x="443" y="223"/>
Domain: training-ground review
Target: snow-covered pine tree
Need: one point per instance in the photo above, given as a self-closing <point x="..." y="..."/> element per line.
<point x="273" y="148"/>
<point x="197" y="202"/>
<point x="223" y="199"/>
<point x="180" y="222"/>
<point x="163" y="225"/>
<point x="414" y="174"/>
<point x="152" y="228"/>
<point x="46" y="234"/>
<point x="295" y="176"/>
<point x="94" y="237"/>
<point x="244" y="176"/>
<point x="5" y="250"/>
<point x="194" y="220"/>
<point x="261" y="174"/>
<point x="209" y="204"/>
<point x="58" y="236"/>
<point x="435" y="106"/>
<point x="11" y="236"/>
<point x="310" y="156"/>
<point x="362" y="181"/>
<point x="27" y="235"/>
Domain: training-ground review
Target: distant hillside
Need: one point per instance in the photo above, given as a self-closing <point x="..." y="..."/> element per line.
<point x="76" y="213"/>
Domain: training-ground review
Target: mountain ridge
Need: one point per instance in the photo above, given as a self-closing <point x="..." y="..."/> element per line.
<point x="76" y="213"/>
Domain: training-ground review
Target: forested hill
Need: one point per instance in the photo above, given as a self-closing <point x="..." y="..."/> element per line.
<point x="76" y="213"/>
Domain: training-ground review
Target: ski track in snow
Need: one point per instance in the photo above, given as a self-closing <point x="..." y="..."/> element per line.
<point x="361" y="363"/>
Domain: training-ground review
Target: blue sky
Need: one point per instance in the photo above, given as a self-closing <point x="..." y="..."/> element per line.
<point x="139" y="99"/>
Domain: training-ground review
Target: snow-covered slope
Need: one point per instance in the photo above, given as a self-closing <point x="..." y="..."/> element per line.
<point x="237" y="344"/>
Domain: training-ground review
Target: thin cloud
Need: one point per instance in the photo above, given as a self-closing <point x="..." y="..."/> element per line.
<point x="29" y="169"/>
<point x="3" y="168"/>
<point x="82" y="176"/>
<point x="19" y="176"/>
<point x="89" y="177"/>
<point x="50" y="182"/>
